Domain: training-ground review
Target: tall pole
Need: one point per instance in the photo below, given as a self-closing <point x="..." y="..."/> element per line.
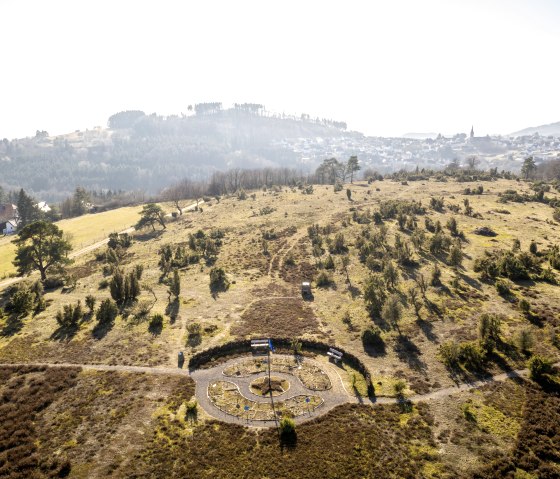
<point x="269" y="383"/>
<point x="270" y="392"/>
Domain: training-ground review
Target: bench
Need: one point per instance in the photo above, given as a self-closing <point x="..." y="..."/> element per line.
<point x="334" y="354"/>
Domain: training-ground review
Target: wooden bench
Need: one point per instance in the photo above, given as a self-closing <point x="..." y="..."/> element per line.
<point x="334" y="354"/>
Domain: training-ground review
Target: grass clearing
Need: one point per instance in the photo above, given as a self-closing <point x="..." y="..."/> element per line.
<point x="90" y="228"/>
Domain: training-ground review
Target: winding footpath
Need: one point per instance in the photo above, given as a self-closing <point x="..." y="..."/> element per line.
<point x="335" y="396"/>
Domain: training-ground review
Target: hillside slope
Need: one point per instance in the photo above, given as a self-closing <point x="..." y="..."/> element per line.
<point x="552" y="129"/>
<point x="152" y="152"/>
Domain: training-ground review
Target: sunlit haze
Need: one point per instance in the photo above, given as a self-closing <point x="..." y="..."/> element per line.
<point x="386" y="68"/>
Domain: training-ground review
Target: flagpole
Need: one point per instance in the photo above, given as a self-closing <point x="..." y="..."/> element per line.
<point x="269" y="383"/>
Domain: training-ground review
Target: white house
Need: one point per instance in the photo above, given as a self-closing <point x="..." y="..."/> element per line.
<point x="8" y="227"/>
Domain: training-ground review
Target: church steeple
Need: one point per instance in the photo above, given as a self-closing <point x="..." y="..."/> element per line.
<point x="472" y="131"/>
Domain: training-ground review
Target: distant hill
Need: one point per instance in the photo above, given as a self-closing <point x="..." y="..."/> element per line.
<point x="149" y="152"/>
<point x="552" y="129"/>
<point x="420" y="136"/>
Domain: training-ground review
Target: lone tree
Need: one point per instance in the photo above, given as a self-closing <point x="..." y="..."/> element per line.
<point x="529" y="167"/>
<point x="151" y="214"/>
<point x="392" y="311"/>
<point x="40" y="245"/>
<point x="352" y="166"/>
<point x="472" y="161"/>
<point x="175" y="286"/>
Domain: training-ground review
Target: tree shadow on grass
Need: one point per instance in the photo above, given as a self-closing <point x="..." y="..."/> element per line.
<point x="509" y="350"/>
<point x="433" y="308"/>
<point x="65" y="333"/>
<point x="192" y="415"/>
<point x="101" y="330"/>
<point x="354" y="291"/>
<point x="427" y="329"/>
<point x="172" y="310"/>
<point x="405" y="404"/>
<point x="473" y="283"/>
<point x="534" y="319"/>
<point x="358" y="395"/>
<point x="288" y="440"/>
<point x="409" y="353"/>
<point x="215" y="290"/>
<point x="375" y="352"/>
<point x="148" y="236"/>
<point x="11" y="325"/>
<point x="194" y="340"/>
<point x="375" y="349"/>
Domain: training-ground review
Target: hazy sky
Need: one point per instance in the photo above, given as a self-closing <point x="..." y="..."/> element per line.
<point x="385" y="67"/>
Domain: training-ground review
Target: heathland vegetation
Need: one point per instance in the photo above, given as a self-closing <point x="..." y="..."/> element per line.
<point x="429" y="279"/>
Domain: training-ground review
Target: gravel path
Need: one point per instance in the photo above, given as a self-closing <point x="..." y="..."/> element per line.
<point x="203" y="377"/>
<point x="333" y="397"/>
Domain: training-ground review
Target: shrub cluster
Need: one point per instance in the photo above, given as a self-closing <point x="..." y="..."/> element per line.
<point x="218" y="280"/>
<point x="124" y="288"/>
<point x="70" y="315"/>
<point x="475" y="191"/>
<point x="25" y="297"/>
<point x="107" y="312"/>
<point x="512" y="265"/>
<point x="389" y="209"/>
<point x="119" y="240"/>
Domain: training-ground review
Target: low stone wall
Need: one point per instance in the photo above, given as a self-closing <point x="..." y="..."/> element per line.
<point x="282" y="345"/>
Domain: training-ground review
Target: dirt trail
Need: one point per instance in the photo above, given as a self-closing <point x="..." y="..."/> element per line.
<point x="278" y="258"/>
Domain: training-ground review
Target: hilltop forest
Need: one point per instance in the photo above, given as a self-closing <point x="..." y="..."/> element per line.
<point x="148" y="152"/>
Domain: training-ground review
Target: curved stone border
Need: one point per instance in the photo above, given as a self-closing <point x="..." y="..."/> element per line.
<point x="283" y="345"/>
<point x="329" y="399"/>
<point x="281" y="372"/>
<point x="282" y="401"/>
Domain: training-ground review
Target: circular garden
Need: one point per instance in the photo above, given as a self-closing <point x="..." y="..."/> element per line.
<point x="246" y="391"/>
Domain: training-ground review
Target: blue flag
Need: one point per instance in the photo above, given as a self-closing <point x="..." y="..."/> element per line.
<point x="270" y="345"/>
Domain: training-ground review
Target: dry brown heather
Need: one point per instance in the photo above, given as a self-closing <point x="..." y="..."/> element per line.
<point x="98" y="421"/>
<point x="61" y="420"/>
<point x="71" y="423"/>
